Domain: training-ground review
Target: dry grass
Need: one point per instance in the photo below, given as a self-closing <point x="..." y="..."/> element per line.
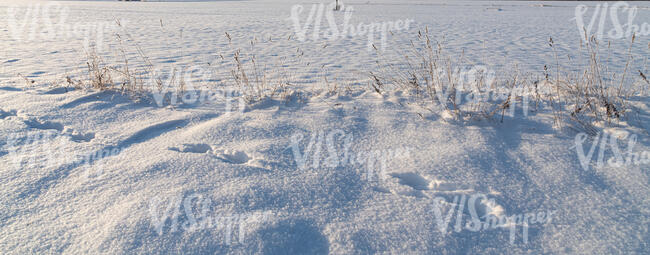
<point x="101" y="75"/>
<point x="439" y="82"/>
<point x="596" y="94"/>
<point x="255" y="82"/>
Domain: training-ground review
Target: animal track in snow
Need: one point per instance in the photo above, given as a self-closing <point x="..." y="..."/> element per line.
<point x="443" y="186"/>
<point x="234" y="156"/>
<point x="44" y="125"/>
<point x="412" y="180"/>
<point x="420" y="183"/>
<point x="4" y="114"/>
<point x="193" y="148"/>
<point x="78" y="136"/>
<point x="36" y="123"/>
<point x="229" y="156"/>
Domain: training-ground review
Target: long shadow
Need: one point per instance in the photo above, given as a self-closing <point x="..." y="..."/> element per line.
<point x="10" y="89"/>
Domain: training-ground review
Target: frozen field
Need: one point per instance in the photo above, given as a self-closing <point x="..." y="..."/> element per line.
<point x="332" y="164"/>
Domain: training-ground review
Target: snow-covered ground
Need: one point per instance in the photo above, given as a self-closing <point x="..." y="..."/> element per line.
<point x="323" y="170"/>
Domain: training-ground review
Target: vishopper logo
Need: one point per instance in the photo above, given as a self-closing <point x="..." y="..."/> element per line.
<point x="337" y="145"/>
<point x="37" y="150"/>
<point x="49" y="21"/>
<point x="603" y="141"/>
<point x="195" y="213"/>
<point x="50" y="150"/>
<point x="462" y="80"/>
<point x="315" y="18"/>
<point x="625" y="28"/>
<point x="173" y="85"/>
<point x="484" y="214"/>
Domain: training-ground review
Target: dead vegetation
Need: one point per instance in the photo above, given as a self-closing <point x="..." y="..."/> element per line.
<point x="445" y="85"/>
<point x="442" y="83"/>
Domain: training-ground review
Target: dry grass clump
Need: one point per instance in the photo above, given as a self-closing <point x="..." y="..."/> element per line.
<point x="99" y="75"/>
<point x="445" y="85"/>
<point x="596" y="94"/>
<point x="103" y="76"/>
<point x="273" y="77"/>
<point x="257" y="83"/>
<point x="439" y="81"/>
<point x="253" y="81"/>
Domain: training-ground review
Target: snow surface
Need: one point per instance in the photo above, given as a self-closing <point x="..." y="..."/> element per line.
<point x="240" y="168"/>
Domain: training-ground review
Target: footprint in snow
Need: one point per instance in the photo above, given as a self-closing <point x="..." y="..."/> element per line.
<point x="421" y="183"/>
<point x="229" y="156"/>
<point x="443" y="186"/>
<point x="412" y="180"/>
<point x="4" y="114"/>
<point x="44" y="125"/>
<point x="78" y="136"/>
<point x="234" y="156"/>
<point x="192" y="148"/>
<point x="36" y="123"/>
